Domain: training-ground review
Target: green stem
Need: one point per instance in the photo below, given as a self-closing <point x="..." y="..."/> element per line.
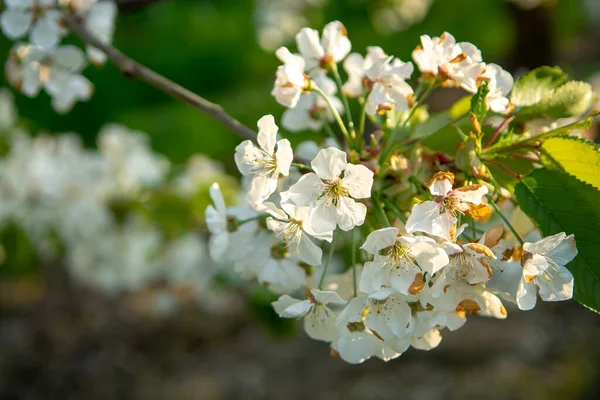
<point x="335" y="113"/>
<point x="395" y="210"/>
<point x="244" y="221"/>
<point x="353" y="260"/>
<point x="512" y="228"/>
<point x="384" y="219"/>
<point x="363" y="118"/>
<point x="338" y="82"/>
<point x="328" y="261"/>
<point x="302" y="166"/>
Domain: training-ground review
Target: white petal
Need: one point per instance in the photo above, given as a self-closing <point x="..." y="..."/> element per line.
<point x="321" y="324"/>
<point x="284" y="302"/>
<point x="440" y="187"/>
<point x="308" y="44"/>
<point x="267" y="133"/>
<point x="535" y="266"/>
<point x="70" y="57"/>
<point x="558" y="288"/>
<point x="217" y="198"/>
<point x="323" y="217"/>
<point x="350" y="213"/>
<point x="429" y="341"/>
<point x="380" y="239"/>
<point x="288" y="307"/>
<point x="429" y="257"/>
<point x="335" y="41"/>
<point x="564" y="252"/>
<point x="245" y="154"/>
<point x="329" y="163"/>
<point x="358" y="179"/>
<point x="308" y="188"/>
<point x="46" y="31"/>
<point x="327" y="297"/>
<point x="261" y="188"/>
<point x="15" y="22"/>
<point x="309" y="252"/>
<point x="472" y="196"/>
<point x="526" y="295"/>
<point x="284" y="156"/>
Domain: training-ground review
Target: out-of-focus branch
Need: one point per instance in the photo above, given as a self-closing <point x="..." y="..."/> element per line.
<point x="133" y="69"/>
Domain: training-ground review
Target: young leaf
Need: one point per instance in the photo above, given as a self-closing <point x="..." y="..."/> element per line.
<point x="530" y="88"/>
<point x="575" y="156"/>
<point x="558" y="202"/>
<point x="478" y="103"/>
<point x="569" y="100"/>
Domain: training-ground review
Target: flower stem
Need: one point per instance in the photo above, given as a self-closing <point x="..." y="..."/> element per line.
<point x="338" y="82"/>
<point x="328" y="261"/>
<point x="302" y="167"/>
<point x="335" y="113"/>
<point x="380" y="212"/>
<point x="353" y="259"/>
<point x="256" y="217"/>
<point x="512" y="228"/>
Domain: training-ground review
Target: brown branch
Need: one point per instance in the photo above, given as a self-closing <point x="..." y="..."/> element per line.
<point x="133" y="69"/>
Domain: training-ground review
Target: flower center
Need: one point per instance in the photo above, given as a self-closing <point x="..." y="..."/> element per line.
<point x="265" y="164"/>
<point x="334" y="191"/>
<point x="449" y="203"/>
<point x="291" y="232"/>
<point x="399" y="255"/>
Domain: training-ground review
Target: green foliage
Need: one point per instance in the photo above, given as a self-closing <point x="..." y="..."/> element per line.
<point x="478" y="103"/>
<point x="18" y="255"/>
<point x="532" y="87"/>
<point x="575" y="156"/>
<point x="569" y="100"/>
<point x="559" y="202"/>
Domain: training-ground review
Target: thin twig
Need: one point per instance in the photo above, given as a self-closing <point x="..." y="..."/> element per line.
<point x="133" y="69"/>
<point x="498" y="131"/>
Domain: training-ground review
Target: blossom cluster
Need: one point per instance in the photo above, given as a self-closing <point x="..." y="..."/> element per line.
<point x="95" y="211"/>
<point x="43" y="62"/>
<point x="415" y="232"/>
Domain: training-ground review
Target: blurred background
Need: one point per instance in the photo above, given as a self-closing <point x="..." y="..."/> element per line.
<point x="60" y="339"/>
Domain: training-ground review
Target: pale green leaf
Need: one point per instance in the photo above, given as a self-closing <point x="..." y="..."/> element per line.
<point x="530" y="88"/>
<point x="575" y="156"/>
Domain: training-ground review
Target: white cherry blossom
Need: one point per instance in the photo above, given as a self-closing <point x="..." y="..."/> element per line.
<point x="290" y="81"/>
<point x="331" y="196"/>
<point x="263" y="163"/>
<point x="447" y="60"/>
<point x="386" y="78"/>
<point x="438" y="217"/>
<point x="320" y="321"/>
<point x="400" y="261"/>
<point x="356" y="67"/>
<point x="469" y="264"/>
<point x="35" y="16"/>
<point x="544" y="270"/>
<point x="500" y="83"/>
<point x="312" y="111"/>
<point x="356" y="342"/>
<point x="56" y="70"/>
<point x="333" y="46"/>
<point x="291" y="224"/>
<point x="389" y="317"/>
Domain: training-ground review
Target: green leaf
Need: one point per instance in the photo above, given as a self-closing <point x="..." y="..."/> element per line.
<point x="530" y="88"/>
<point x="569" y="100"/>
<point x="508" y="142"/>
<point x="478" y="103"/>
<point x="439" y="121"/>
<point x="558" y="202"/>
<point x="575" y="156"/>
